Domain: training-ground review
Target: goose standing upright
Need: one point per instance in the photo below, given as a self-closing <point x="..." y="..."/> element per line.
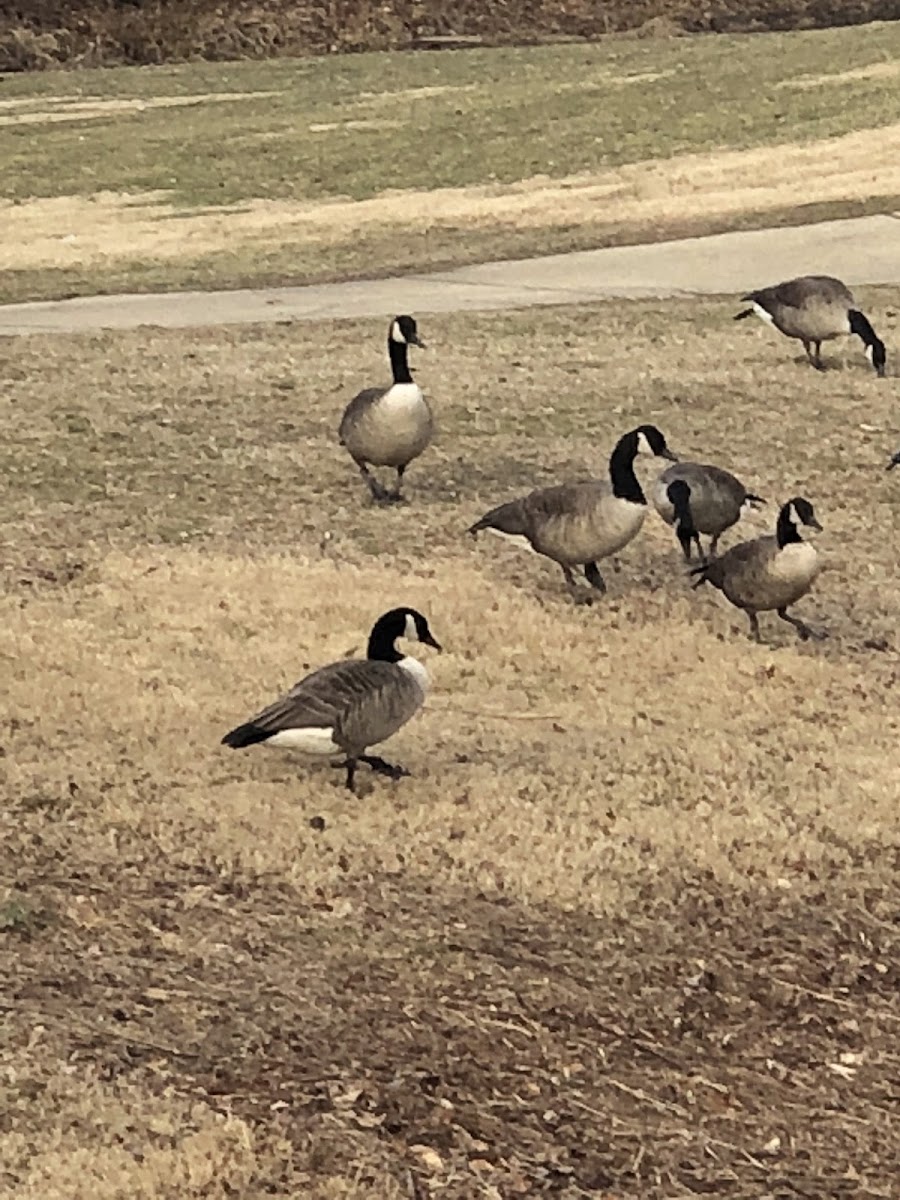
<point x="815" y="309"/>
<point x="347" y="706"/>
<point x="389" y="426"/>
<point x="577" y="524"/>
<point x="770" y="572"/>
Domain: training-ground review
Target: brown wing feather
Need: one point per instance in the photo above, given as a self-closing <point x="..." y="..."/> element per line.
<point x="364" y="701"/>
<point x="797" y="293"/>
<point x="356" y="407"/>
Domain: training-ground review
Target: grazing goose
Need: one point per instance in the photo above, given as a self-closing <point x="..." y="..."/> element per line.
<point x="717" y="499"/>
<point x="344" y="708"/>
<point x="575" y="524"/>
<point x="815" y="308"/>
<point x="769" y="572"/>
<point x="389" y="426"/>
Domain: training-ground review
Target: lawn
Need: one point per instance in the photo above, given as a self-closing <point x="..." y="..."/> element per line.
<point x="630" y="929"/>
<point x="301" y="170"/>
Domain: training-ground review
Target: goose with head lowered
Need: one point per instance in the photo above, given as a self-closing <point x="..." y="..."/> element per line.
<point x="769" y="573"/>
<point x="389" y="426"/>
<point x="344" y="708"/>
<point x="578" y="524"/>
<point x="814" y="309"/>
<point x="717" y="499"/>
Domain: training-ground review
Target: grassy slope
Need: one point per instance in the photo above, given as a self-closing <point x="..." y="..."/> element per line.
<point x="507" y="115"/>
<point x="630" y="927"/>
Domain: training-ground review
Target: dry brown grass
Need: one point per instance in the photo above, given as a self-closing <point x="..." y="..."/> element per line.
<point x="109" y="231"/>
<point x="638" y="938"/>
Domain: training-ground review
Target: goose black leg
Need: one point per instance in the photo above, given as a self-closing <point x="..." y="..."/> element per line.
<point x="593" y="576"/>
<point x="754" y="625"/>
<point x="815" y="357"/>
<point x="350" y="764"/>
<point x="376" y="490"/>
<point x="578" y="596"/>
<point x="804" y="631"/>
<point x="713" y="545"/>
<point x="397" y="494"/>
<point x="383" y="768"/>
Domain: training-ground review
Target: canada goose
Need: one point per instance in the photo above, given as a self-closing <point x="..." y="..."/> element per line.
<point x="769" y="572"/>
<point x="815" y="308"/>
<point x="717" y="499"/>
<point x="347" y="706"/>
<point x="389" y="426"/>
<point x="575" y="524"/>
<point x="895" y="461"/>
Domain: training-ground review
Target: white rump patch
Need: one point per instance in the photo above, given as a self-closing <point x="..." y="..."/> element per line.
<point x="397" y="333"/>
<point x="308" y="741"/>
<point x="515" y="539"/>
<point x="413" y="667"/>
<point x="762" y="314"/>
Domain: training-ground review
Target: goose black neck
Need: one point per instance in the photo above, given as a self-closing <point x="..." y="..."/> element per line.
<point x="382" y="644"/>
<point x="862" y="327"/>
<point x="786" y="530"/>
<point x="399" y="361"/>
<point x="621" y="471"/>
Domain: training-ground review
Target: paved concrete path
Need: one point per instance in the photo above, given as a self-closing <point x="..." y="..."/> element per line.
<point x="863" y="250"/>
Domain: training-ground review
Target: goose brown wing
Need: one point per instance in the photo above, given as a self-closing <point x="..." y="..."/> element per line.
<point x="357" y="407"/>
<point x="363" y="701"/>
<point x="797" y="293"/>
<point x="379" y="699"/>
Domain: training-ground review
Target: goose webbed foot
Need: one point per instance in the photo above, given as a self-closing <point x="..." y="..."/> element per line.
<point x="578" y="596"/>
<point x="381" y="767"/>
<point x="804" y="631"/>
<point x="377" y="490"/>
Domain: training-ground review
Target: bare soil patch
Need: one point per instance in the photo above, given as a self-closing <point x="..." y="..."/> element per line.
<point x="631" y="927"/>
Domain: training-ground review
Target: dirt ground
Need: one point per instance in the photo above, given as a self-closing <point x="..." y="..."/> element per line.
<point x="630" y="929"/>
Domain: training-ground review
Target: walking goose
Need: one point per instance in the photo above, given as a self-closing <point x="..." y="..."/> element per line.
<point x="576" y="524"/>
<point x="769" y="572"/>
<point x="815" y="308"/>
<point x="347" y="706"/>
<point x="717" y="499"/>
<point x="389" y="426"/>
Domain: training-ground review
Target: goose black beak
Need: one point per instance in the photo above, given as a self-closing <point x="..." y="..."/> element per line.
<point x="428" y="640"/>
<point x="669" y="454"/>
<point x="814" y="524"/>
<point x="418" y="342"/>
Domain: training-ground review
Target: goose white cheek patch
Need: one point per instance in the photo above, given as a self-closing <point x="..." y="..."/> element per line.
<point x="870" y="353"/>
<point x="410" y="631"/>
<point x="643" y="445"/>
<point x="397" y="333"/>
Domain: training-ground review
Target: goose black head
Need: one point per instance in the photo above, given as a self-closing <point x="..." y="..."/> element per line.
<point x="679" y="494"/>
<point x="649" y="440"/>
<point x="875" y="351"/>
<point x="405" y="332"/>
<point x="399" y="623"/>
<point x="803" y="511"/>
